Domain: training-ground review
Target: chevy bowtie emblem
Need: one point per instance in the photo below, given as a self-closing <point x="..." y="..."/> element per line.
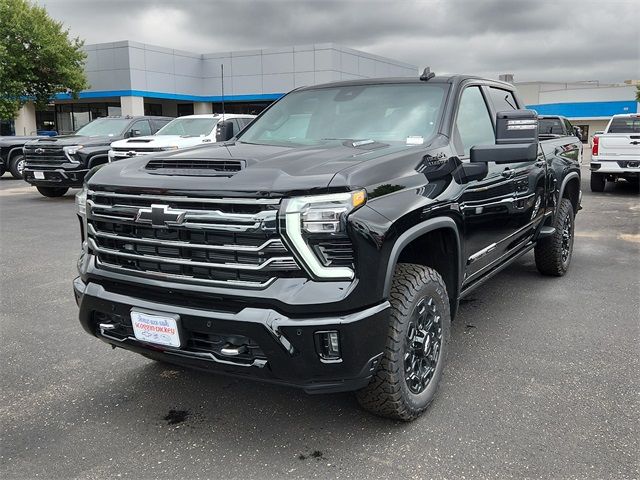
<point x="39" y="150"/>
<point x="160" y="216"/>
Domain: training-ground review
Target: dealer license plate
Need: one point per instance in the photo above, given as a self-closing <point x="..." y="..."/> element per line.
<point x="158" y="328"/>
<point x="38" y="175"/>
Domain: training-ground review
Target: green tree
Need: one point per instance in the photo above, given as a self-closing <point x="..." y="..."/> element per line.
<point x="38" y="57"/>
<point x="637" y="93"/>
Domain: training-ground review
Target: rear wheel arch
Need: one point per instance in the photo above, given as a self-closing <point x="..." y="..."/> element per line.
<point x="434" y="243"/>
<point x="570" y="189"/>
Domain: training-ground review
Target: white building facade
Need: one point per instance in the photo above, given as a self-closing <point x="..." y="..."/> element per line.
<point x="589" y="105"/>
<point x="130" y="78"/>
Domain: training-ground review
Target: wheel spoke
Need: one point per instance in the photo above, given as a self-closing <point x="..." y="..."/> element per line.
<point x="422" y="347"/>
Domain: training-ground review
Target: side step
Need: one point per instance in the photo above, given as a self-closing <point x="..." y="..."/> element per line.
<point x="546" y="232"/>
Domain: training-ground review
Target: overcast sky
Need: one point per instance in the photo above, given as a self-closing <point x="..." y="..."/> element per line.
<point x="534" y="39"/>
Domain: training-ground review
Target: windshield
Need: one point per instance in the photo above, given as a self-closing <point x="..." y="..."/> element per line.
<point x="192" y="127"/>
<point x="549" y="126"/>
<point x="386" y="113"/>
<point x="625" y="125"/>
<point x="104" y="127"/>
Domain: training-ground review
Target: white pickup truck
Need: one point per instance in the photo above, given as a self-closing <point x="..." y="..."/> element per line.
<point x="182" y="132"/>
<point x="616" y="152"/>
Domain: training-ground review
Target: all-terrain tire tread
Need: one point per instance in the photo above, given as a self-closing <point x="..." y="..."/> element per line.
<point x="548" y="251"/>
<point x="383" y="395"/>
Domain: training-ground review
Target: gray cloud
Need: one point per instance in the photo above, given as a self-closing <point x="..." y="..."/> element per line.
<point x="535" y="39"/>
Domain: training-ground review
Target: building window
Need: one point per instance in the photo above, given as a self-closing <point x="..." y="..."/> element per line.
<point x="185" y="109"/>
<point x="72" y="116"/>
<point x="253" y="108"/>
<point x="153" y="109"/>
<point x="584" y="133"/>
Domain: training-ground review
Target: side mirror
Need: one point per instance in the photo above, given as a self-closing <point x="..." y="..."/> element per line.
<point x="516" y="126"/>
<point x="515" y="153"/>
<point x="577" y="131"/>
<point x="224" y="131"/>
<point x="133" y="133"/>
<point x="516" y="139"/>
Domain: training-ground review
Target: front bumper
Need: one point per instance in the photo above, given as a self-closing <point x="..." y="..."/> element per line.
<point x="288" y="345"/>
<point x="56" y="177"/>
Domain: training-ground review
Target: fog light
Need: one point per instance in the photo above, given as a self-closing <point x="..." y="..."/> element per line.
<point x="328" y="345"/>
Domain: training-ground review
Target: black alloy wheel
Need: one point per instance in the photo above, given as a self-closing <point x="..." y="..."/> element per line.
<point x="422" y="346"/>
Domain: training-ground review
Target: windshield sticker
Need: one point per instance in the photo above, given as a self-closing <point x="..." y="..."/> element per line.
<point x="416" y="140"/>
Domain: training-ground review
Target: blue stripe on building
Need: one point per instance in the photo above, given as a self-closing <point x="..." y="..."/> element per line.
<point x="586" y="109"/>
<point x="262" y="97"/>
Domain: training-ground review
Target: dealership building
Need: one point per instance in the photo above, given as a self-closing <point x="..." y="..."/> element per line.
<point x="130" y="78"/>
<point x="588" y="105"/>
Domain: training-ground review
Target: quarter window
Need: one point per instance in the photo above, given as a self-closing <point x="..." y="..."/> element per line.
<point x="473" y="123"/>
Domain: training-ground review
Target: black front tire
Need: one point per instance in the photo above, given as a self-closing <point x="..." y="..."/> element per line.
<point x="53" y="191"/>
<point x="2" y="169"/>
<point x="16" y="165"/>
<point x="407" y="378"/>
<point x="598" y="182"/>
<point x="553" y="253"/>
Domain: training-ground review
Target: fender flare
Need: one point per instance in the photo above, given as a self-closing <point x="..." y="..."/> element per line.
<point x="11" y="153"/>
<point x="416" y="231"/>
<point x="564" y="183"/>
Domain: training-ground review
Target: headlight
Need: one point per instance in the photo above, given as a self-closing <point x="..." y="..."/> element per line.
<point x="71" y="150"/>
<point x="319" y="215"/>
<point x="173" y="147"/>
<point x="81" y="202"/>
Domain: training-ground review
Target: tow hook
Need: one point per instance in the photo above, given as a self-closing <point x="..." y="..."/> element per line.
<point x="232" y="350"/>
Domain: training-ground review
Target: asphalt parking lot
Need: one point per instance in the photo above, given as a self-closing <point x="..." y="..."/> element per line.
<point x="542" y="379"/>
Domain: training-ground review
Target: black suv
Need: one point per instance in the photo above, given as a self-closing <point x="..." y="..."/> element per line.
<point x="55" y="164"/>
<point x="327" y="245"/>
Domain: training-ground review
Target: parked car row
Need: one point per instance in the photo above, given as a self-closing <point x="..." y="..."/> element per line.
<point x="55" y="164"/>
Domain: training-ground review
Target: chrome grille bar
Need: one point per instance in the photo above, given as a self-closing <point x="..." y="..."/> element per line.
<point x="183" y="278"/>
<point x="273" y="262"/>
<point x="272" y="244"/>
<point x="168" y="198"/>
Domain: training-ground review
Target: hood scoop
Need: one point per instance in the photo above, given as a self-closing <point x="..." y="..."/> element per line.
<point x="195" y="167"/>
<point x="140" y="140"/>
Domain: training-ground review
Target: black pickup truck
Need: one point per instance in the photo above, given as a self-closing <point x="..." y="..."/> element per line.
<point x="55" y="164"/>
<point x="327" y="246"/>
<point x="11" y="155"/>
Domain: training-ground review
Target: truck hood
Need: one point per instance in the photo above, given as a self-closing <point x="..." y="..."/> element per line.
<point x="66" y="140"/>
<point x="17" y="140"/>
<point x="268" y="170"/>
<point x="159" y="141"/>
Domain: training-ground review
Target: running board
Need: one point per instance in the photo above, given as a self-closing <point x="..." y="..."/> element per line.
<point x="491" y="273"/>
<point x="546" y="232"/>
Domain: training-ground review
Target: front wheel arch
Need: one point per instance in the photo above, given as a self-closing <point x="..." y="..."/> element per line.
<point x="451" y="269"/>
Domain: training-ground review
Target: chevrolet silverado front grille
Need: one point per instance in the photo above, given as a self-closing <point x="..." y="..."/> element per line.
<point x="44" y="157"/>
<point x="231" y="242"/>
